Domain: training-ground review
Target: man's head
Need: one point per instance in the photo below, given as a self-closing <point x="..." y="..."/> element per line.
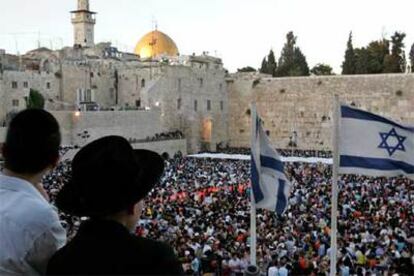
<point x="110" y="178"/>
<point x="32" y="142"/>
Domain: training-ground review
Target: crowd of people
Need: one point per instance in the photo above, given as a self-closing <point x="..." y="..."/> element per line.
<point x="202" y="207"/>
<point x="171" y="135"/>
<point x="284" y="152"/>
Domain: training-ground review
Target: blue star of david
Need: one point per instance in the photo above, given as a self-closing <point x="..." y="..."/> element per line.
<point x="384" y="141"/>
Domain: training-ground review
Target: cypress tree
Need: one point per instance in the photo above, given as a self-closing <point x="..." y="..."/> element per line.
<point x="286" y="60"/>
<point x="292" y="61"/>
<point x="263" y="68"/>
<point x="300" y="63"/>
<point x="349" y="64"/>
<point x="361" y="61"/>
<point x="271" y="63"/>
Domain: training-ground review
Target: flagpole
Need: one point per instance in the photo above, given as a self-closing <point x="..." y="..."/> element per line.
<point x="252" y="202"/>
<point x="334" y="199"/>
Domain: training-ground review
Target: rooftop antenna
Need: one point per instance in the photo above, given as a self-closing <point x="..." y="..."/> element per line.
<point x="16" y="44"/>
<point x="38" y="39"/>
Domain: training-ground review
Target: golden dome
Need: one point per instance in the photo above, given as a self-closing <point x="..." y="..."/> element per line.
<point x="154" y="44"/>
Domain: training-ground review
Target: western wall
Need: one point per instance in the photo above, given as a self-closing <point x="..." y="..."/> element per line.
<point x="80" y="128"/>
<point x="304" y="104"/>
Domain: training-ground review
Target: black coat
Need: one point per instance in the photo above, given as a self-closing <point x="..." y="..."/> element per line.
<point x="107" y="248"/>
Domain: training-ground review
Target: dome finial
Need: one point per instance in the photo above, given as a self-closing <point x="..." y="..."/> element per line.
<point x="154" y="23"/>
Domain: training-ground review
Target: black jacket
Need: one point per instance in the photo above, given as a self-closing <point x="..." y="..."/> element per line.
<point x="107" y="248"/>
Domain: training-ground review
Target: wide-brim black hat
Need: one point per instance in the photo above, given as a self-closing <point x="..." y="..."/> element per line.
<point x="109" y="176"/>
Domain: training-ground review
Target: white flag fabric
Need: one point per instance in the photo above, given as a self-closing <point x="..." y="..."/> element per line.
<point x="373" y="145"/>
<point x="270" y="186"/>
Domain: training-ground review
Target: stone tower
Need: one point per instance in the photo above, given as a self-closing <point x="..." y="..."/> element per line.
<point x="83" y="21"/>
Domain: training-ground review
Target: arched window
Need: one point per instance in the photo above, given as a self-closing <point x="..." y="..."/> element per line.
<point x="142" y="83"/>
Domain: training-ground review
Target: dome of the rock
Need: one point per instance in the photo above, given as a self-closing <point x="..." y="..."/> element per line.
<point x="155" y="44"/>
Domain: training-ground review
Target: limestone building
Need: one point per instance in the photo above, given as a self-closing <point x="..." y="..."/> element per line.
<point x="190" y="93"/>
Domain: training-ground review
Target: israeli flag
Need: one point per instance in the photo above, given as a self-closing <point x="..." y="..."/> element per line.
<point x="372" y="145"/>
<point x="270" y="186"/>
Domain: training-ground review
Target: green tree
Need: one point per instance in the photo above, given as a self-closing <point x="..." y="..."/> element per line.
<point x="246" y="69"/>
<point x="286" y="60"/>
<point x="377" y="52"/>
<point x="321" y="69"/>
<point x="35" y="100"/>
<point x="349" y="64"/>
<point x="263" y="68"/>
<point x="361" y="60"/>
<point x="395" y="62"/>
<point x="292" y="61"/>
<point x="269" y="64"/>
<point x="301" y="67"/>
<point x="411" y="55"/>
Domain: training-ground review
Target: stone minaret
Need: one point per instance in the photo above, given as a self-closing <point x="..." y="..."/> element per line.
<point x="83" y="21"/>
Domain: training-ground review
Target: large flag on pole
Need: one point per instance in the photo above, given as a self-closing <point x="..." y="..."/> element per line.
<point x="270" y="186"/>
<point x="373" y="145"/>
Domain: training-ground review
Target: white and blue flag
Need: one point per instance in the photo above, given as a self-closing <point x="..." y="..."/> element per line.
<point x="373" y="145"/>
<point x="270" y="186"/>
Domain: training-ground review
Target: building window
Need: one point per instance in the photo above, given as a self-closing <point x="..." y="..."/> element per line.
<point x="138" y="103"/>
<point x="195" y="105"/>
<point x="178" y="104"/>
<point x="142" y="83"/>
<point x="221" y="105"/>
<point x="201" y="82"/>
<point x="208" y="105"/>
<point x="88" y="96"/>
<point x="14" y="84"/>
<point x="48" y="85"/>
<point x="15" y="102"/>
<point x="25" y="84"/>
<point x="179" y="85"/>
<point x="91" y="74"/>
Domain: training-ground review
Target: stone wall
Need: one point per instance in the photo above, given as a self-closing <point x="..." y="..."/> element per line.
<point x="15" y="88"/>
<point x="169" y="146"/>
<point x="182" y="94"/>
<point x="304" y="104"/>
<point x="81" y="128"/>
<point x="129" y="124"/>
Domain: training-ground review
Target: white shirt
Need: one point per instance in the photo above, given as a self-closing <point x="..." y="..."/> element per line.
<point x="30" y="230"/>
<point x="283" y="271"/>
<point x="273" y="271"/>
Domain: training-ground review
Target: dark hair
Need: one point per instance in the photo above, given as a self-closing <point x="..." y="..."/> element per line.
<point x="32" y="141"/>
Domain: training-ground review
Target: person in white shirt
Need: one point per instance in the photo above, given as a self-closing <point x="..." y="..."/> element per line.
<point x="273" y="269"/>
<point x="283" y="271"/>
<point x="30" y="230"/>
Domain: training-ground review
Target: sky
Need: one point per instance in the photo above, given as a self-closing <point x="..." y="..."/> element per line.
<point x="241" y="32"/>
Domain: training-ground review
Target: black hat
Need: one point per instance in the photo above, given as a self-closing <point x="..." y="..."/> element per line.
<point x="108" y="176"/>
